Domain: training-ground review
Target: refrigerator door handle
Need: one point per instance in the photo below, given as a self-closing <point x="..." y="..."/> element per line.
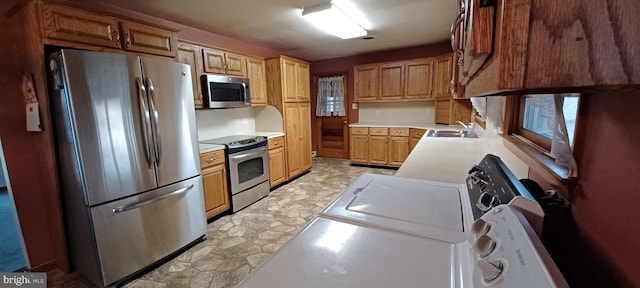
<point x="121" y="209"/>
<point x="146" y="125"/>
<point x="152" y="101"/>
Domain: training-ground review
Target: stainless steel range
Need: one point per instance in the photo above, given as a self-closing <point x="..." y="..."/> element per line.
<point x="248" y="162"/>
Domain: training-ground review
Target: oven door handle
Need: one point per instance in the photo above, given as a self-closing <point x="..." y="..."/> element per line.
<point x="248" y="153"/>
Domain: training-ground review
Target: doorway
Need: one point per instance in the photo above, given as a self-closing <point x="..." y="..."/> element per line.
<point x="331" y="128"/>
<point x="11" y="242"/>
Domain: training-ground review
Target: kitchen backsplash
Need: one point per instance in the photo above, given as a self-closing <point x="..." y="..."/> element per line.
<point x="397" y="112"/>
<point x="216" y="123"/>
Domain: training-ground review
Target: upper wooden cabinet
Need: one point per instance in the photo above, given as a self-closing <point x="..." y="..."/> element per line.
<point x="223" y="62"/>
<point x="192" y="55"/>
<point x="257" y="81"/>
<point x="366" y="82"/>
<point x="302" y="78"/>
<point x="394" y="81"/>
<point x="287" y="80"/>
<point x="442" y="78"/>
<point x="391" y="81"/>
<point x="74" y="27"/>
<point x="542" y="45"/>
<point x="419" y="75"/>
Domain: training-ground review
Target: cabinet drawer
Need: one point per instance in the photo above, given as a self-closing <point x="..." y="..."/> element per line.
<point x="378" y="131"/>
<point x="274" y="143"/>
<point x="359" y="131"/>
<point x="211" y="159"/>
<point x="417" y="133"/>
<point x="399" y="131"/>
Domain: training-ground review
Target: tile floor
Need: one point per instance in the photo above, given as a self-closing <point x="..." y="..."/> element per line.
<point x="237" y="244"/>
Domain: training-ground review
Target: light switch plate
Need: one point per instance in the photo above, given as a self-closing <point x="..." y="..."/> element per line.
<point x="33" y="117"/>
<point x="354" y="106"/>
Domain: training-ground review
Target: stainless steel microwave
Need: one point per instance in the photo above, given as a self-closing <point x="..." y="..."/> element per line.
<point x="225" y="92"/>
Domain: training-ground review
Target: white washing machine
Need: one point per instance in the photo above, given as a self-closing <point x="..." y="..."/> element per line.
<point x="386" y="231"/>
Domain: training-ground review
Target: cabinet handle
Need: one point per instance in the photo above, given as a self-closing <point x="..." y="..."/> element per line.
<point x="127" y="38"/>
<point x="209" y="160"/>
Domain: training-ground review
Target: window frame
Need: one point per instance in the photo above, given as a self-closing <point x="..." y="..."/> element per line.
<point x="530" y="151"/>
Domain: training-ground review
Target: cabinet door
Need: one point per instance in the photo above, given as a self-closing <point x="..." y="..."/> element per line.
<point x="443" y="73"/>
<point x="234" y="64"/>
<point x="290" y="80"/>
<point x="360" y="149"/>
<point x="148" y="39"/>
<point x="412" y="143"/>
<point x="213" y="61"/>
<point x="366" y="82"/>
<point x="443" y="111"/>
<point x="378" y="150"/>
<point x="216" y="197"/>
<point x="277" y="172"/>
<point x="419" y="79"/>
<point x="70" y="24"/>
<point x="257" y="81"/>
<point x="391" y="81"/>
<point x="292" y="135"/>
<point x="305" y="135"/>
<point x="398" y="150"/>
<point x="416" y="135"/>
<point x="302" y="74"/>
<point x="191" y="54"/>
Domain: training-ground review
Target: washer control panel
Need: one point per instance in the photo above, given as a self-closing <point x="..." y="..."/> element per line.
<point x="507" y="253"/>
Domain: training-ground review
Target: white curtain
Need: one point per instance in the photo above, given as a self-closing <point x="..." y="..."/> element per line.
<point x="330" y="96"/>
<point x="560" y="146"/>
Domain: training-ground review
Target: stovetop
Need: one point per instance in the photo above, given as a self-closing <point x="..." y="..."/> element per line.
<point x="236" y="140"/>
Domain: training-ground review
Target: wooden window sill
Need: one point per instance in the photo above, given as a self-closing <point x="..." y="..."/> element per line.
<point x="542" y="164"/>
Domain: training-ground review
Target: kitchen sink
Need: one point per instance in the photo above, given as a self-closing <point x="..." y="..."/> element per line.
<point x="450" y="133"/>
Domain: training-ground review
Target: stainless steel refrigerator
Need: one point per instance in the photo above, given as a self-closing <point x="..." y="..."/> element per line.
<point x="128" y="160"/>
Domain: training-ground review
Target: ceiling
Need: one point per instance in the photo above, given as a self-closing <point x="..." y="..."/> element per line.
<point x="277" y="24"/>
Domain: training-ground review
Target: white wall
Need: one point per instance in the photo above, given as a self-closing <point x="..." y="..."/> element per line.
<point x="397" y="112"/>
<point x="216" y="123"/>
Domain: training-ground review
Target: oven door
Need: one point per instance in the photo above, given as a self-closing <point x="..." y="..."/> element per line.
<point x="248" y="168"/>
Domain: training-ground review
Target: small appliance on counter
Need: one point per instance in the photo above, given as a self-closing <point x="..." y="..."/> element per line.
<point x="128" y="159"/>
<point x="248" y="161"/>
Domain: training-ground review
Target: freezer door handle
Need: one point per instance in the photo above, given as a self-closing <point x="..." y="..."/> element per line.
<point x="156" y="131"/>
<point x="147" y="202"/>
<point x="146" y="123"/>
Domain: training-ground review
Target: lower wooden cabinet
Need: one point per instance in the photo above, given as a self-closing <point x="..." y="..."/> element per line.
<point x="298" y="138"/>
<point x="214" y="178"/>
<point x="415" y="135"/>
<point x="379" y="146"/>
<point x="277" y="161"/>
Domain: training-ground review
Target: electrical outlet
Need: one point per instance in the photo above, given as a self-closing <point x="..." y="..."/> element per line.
<point x="429" y="112"/>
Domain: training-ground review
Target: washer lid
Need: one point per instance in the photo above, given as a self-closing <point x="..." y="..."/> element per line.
<point x="420" y="207"/>
<point x="330" y="253"/>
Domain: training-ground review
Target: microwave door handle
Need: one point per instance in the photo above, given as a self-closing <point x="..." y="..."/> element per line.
<point x="152" y="101"/>
<point x="146" y="121"/>
<point x="249" y="153"/>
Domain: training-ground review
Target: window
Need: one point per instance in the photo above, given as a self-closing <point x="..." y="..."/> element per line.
<point x="330" y="97"/>
<point x="537" y="116"/>
<point x="535" y="136"/>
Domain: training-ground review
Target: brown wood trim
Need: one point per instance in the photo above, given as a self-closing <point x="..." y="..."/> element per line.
<point x="46" y="267"/>
<point x="543" y="165"/>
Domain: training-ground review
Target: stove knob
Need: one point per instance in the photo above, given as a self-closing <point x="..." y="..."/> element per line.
<point x="490" y="269"/>
<point x="484" y="245"/>
<point x="480" y="227"/>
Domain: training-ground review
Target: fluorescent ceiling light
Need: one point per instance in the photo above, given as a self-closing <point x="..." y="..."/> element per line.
<point x="333" y="20"/>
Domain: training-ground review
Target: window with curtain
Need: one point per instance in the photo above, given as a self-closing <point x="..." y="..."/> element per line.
<point x="330" y="96"/>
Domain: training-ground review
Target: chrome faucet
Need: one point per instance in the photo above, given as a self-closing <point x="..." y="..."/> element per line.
<point x="469" y="127"/>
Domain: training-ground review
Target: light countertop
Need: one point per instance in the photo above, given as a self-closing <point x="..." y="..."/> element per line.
<point x="426" y="126"/>
<point x="204" y="148"/>
<point x="449" y="159"/>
